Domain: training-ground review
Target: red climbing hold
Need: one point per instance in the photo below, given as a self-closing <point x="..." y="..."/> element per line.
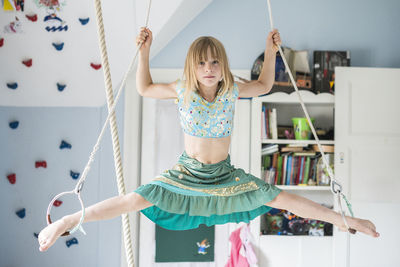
<point x="95" y="66"/>
<point x="12" y="178"/>
<point x="32" y="18"/>
<point x="57" y="203"/>
<point x="42" y="164"/>
<point x="1" y="42"/>
<point x="27" y="62"/>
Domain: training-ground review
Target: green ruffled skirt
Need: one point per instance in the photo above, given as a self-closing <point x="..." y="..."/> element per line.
<point x="194" y="193"/>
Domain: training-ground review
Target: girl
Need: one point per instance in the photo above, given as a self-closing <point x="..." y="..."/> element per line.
<point x="203" y="187"/>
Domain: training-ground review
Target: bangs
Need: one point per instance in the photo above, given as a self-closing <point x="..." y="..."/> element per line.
<point x="201" y="49"/>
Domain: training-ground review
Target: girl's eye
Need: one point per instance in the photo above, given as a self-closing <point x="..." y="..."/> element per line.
<point x="215" y="62"/>
<point x="202" y="63"/>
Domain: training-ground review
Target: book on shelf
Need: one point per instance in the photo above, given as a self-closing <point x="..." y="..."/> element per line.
<point x="273" y="124"/>
<point x="269" y="149"/>
<point x="292" y="168"/>
<point x="263" y="124"/>
<point x="305" y="153"/>
<point x="279" y="170"/>
<point x="307" y="170"/>
<point x="269" y="128"/>
<point x="292" y="149"/>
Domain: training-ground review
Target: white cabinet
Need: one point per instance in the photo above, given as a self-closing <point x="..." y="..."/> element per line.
<point x="367" y="158"/>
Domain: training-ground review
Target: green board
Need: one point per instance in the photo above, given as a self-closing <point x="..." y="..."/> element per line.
<point x="183" y="246"/>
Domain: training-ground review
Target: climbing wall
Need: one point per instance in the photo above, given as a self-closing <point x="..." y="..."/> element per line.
<point x="51" y="107"/>
<point x="52" y="55"/>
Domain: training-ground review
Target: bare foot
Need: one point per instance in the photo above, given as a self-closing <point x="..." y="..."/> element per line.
<point x="50" y="234"/>
<point x="361" y="225"/>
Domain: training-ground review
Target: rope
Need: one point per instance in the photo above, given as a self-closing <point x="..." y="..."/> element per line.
<point x="110" y="119"/>
<point x="336" y="187"/>
<point x="113" y="123"/>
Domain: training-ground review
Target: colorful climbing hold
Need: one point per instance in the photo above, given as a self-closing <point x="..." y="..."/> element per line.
<point x="12" y="178"/>
<point x="61" y="87"/>
<point x="95" y="66"/>
<point x="65" y="144"/>
<point x="57" y="203"/>
<point x="12" y="85"/>
<point x="27" y="62"/>
<point x="59" y="28"/>
<point x="57" y="24"/>
<point x="42" y="164"/>
<point x="13" y="27"/>
<point x="1" y="42"/>
<point x="36" y="235"/>
<point x="32" y="18"/>
<point x="14" y="124"/>
<point x="84" y="21"/>
<point x="21" y="213"/>
<point x="58" y="46"/>
<point x="74" y="175"/>
<point x="72" y="241"/>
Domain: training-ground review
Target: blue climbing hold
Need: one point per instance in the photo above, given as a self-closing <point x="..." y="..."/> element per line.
<point x="74" y="175"/>
<point x="61" y="87"/>
<point x="21" y="213"/>
<point x="36" y="235"/>
<point x="72" y="241"/>
<point x="65" y="144"/>
<point x="59" y="28"/>
<point x="84" y="21"/>
<point x="58" y="46"/>
<point x="14" y="124"/>
<point x="12" y="85"/>
<point x="52" y="17"/>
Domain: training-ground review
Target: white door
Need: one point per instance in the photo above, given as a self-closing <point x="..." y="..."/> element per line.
<point x="367" y="144"/>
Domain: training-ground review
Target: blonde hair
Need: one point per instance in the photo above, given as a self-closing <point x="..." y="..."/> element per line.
<point x="197" y="53"/>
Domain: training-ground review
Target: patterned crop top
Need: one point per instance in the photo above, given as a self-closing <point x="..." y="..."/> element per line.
<point x="207" y="119"/>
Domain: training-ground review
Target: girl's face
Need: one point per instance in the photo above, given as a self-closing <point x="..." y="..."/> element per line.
<point x="208" y="72"/>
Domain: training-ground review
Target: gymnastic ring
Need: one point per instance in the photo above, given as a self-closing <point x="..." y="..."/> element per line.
<point x="48" y="218"/>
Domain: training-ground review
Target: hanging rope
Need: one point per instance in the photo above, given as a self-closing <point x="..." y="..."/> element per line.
<point x="112" y="119"/>
<point x="336" y="187"/>
<point x="114" y="129"/>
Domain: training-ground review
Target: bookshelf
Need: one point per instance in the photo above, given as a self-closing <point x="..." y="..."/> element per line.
<point x="298" y="142"/>
<point x="321" y="107"/>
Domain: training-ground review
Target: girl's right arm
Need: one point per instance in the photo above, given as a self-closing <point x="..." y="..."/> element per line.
<point x="144" y="83"/>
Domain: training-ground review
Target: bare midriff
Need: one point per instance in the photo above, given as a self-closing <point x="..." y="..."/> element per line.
<point x="207" y="150"/>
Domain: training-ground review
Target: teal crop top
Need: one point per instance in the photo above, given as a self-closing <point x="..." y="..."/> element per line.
<point x="207" y="119"/>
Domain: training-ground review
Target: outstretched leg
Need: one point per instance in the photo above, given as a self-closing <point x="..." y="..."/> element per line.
<point x="103" y="210"/>
<point x="306" y="208"/>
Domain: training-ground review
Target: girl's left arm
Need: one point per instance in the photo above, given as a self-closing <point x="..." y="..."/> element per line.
<point x="267" y="76"/>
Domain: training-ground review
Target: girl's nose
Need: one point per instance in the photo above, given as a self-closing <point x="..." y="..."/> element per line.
<point x="208" y="67"/>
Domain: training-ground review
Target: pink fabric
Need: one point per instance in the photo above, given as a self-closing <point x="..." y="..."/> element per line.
<point x="246" y="238"/>
<point x="236" y="259"/>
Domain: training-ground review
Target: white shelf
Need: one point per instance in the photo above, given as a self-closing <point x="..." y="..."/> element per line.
<point x="297" y="237"/>
<point x="307" y="97"/>
<point x="304" y="187"/>
<point x="297" y="142"/>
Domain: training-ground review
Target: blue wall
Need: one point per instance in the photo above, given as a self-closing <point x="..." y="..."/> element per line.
<point x="38" y="138"/>
<point x="369" y="29"/>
